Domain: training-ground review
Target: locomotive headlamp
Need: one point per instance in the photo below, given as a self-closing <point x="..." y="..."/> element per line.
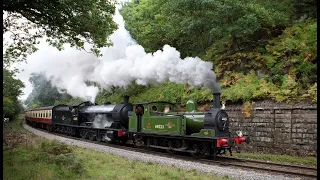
<point x="239" y="133"/>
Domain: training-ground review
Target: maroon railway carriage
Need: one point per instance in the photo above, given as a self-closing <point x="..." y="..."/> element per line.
<point x="42" y="115"/>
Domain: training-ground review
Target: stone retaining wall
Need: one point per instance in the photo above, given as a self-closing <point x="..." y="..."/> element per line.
<point x="290" y="131"/>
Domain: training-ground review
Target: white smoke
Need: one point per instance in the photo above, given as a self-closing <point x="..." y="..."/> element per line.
<point x="101" y="121"/>
<point x="122" y="64"/>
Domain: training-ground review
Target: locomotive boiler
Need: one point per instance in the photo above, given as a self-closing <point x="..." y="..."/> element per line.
<point x="115" y="114"/>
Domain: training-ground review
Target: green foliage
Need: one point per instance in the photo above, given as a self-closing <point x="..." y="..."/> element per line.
<point x="311" y="93"/>
<point x="192" y="26"/>
<point x="12" y="89"/>
<point x="61" y="22"/>
<point x="283" y="70"/>
<point x="296" y="49"/>
<point x="68" y="101"/>
<point x="55" y="148"/>
<point x="304" y="9"/>
<point x="169" y="91"/>
<point x="245" y="87"/>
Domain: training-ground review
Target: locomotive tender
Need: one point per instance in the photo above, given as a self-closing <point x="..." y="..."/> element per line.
<point x="151" y="124"/>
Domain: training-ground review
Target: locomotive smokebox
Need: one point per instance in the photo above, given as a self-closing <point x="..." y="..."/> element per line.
<point x="216" y="100"/>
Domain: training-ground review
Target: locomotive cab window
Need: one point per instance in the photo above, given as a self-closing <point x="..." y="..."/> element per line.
<point x="154" y="108"/>
<point x="139" y="110"/>
<point x="167" y="109"/>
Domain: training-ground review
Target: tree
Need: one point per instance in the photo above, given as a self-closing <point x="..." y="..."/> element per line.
<point x="64" y="21"/>
<point x="193" y="25"/>
<point x="43" y="93"/>
<point x="304" y="9"/>
<point x="12" y="88"/>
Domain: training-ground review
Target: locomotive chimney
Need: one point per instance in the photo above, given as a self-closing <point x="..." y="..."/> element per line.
<point x="125" y="99"/>
<point x="216" y="100"/>
<point x="106" y="103"/>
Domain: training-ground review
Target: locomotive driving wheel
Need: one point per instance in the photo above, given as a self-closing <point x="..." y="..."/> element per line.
<point x="84" y="134"/>
<point x="92" y="137"/>
<point x="170" y="146"/>
<point x="70" y="131"/>
<point x="155" y="141"/>
<point x="178" y="143"/>
<point x="196" y="150"/>
<point x="99" y="138"/>
<point x="148" y="142"/>
<point x="204" y="151"/>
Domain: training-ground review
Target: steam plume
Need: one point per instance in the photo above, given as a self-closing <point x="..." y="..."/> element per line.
<point x="101" y="121"/>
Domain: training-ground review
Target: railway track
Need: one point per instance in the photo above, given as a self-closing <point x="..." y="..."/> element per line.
<point x="303" y="172"/>
<point x="296" y="170"/>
